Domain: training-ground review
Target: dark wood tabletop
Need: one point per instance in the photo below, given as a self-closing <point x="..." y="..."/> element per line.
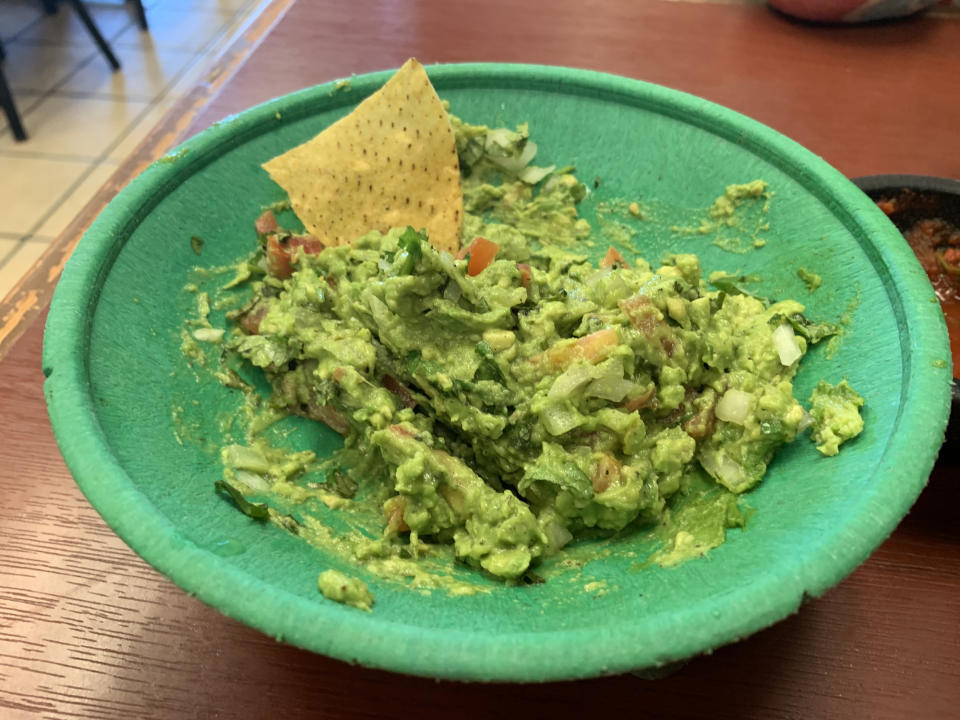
<point x="88" y="630"/>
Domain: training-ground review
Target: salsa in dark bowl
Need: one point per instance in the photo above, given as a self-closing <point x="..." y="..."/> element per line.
<point x="926" y="210"/>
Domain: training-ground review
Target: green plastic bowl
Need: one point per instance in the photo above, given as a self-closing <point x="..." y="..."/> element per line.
<point x="112" y="347"/>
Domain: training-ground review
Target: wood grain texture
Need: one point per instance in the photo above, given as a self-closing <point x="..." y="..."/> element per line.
<point x="869" y="99"/>
<point x="88" y="630"/>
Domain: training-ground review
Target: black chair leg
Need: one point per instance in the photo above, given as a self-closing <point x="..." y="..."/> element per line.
<point x="141" y="15"/>
<point x="95" y="32"/>
<point x="6" y="101"/>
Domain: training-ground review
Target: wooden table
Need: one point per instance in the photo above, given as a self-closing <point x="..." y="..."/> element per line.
<point x="89" y="630"/>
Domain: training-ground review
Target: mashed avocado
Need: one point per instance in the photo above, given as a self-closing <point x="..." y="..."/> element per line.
<point x="836" y="414"/>
<point x="811" y="279"/>
<point x="343" y="589"/>
<point x="508" y="399"/>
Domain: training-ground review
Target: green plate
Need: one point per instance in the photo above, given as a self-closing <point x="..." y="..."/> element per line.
<point x="118" y="397"/>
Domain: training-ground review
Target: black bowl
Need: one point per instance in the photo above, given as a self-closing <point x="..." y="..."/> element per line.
<point x="930" y="197"/>
<point x="934" y="196"/>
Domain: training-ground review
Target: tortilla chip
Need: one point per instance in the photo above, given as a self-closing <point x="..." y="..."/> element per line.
<point x="392" y="162"/>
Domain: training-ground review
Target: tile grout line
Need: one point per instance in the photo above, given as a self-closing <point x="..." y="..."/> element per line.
<point x="46" y="94"/>
<point x="48" y="43"/>
<point x="9" y="256"/>
<point x="89" y="94"/>
<point x="26" y="27"/>
<point x="43" y="95"/>
<point x="20" y="243"/>
<point x="64" y="196"/>
<point x="110" y="39"/>
<point x="197" y="55"/>
<point x="39" y="101"/>
<point x="95" y="52"/>
<point x="85" y="95"/>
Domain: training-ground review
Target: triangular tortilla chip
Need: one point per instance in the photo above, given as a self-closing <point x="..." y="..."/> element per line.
<point x="392" y="162"/>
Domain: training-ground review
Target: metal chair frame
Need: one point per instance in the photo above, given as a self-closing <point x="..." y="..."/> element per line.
<point x="6" y="97"/>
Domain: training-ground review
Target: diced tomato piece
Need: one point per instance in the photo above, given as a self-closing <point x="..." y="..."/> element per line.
<point x="645" y="317"/>
<point x="593" y="348"/>
<point x="596" y="346"/>
<point x="952" y="255"/>
<point x="888" y="206"/>
<point x="280" y="253"/>
<point x="526" y="275"/>
<point x="482" y="253"/>
<point x="251" y="321"/>
<point x="266" y="223"/>
<point x="613" y="257"/>
<point x="642" y="314"/>
<point x="310" y="245"/>
<point x="278" y="258"/>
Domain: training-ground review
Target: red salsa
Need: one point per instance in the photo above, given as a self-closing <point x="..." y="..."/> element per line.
<point x="936" y="243"/>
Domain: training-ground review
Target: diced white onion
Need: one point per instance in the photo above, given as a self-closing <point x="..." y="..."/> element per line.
<point x="598" y="275"/>
<point x="612" y="390"/>
<point x="806" y="421"/>
<point x="529" y="150"/>
<point x="253" y="481"/>
<point x="557" y="535"/>
<point x="730" y="472"/>
<point x="211" y="335"/>
<point x="381" y="313"/>
<point x="518" y="163"/>
<point x="617" y="289"/>
<point x="452" y="292"/>
<point x="734" y="406"/>
<point x="532" y="175"/>
<point x="558" y="419"/>
<point x="446" y="261"/>
<point x="549" y="184"/>
<point x="241" y="457"/>
<point x="499" y="137"/>
<point x="570" y="381"/>
<point x="786" y="344"/>
<point x="610" y="385"/>
<point x="725" y="470"/>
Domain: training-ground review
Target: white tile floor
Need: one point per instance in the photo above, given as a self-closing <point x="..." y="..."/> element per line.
<point x="81" y="118"/>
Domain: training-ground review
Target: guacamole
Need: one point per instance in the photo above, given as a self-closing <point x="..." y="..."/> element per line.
<point x="512" y="397"/>
<point x="836" y="415"/>
<point x="344" y="589"/>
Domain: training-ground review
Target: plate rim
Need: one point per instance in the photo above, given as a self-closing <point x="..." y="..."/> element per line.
<point x="476" y="656"/>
